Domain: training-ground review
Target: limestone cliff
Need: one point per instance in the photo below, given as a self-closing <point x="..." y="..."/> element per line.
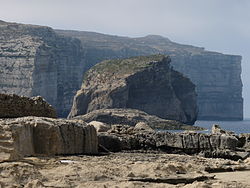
<point x="146" y="83"/>
<point x="217" y="76"/>
<point x="34" y="60"/>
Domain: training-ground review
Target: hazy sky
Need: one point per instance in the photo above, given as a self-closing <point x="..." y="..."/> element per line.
<point x="217" y="25"/>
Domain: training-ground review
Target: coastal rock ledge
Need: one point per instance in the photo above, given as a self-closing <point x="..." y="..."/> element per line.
<point x="146" y="83"/>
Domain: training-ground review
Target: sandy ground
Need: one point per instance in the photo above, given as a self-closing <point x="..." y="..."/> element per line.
<point x="133" y="170"/>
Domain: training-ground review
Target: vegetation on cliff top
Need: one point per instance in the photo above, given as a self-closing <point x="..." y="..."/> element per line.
<point x="120" y="67"/>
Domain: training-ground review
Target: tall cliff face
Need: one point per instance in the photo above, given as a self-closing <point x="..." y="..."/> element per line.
<point x="34" y="60"/>
<point x="218" y="81"/>
<point x="217" y="76"/>
<point x="145" y="83"/>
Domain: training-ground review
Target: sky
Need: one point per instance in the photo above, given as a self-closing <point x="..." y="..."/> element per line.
<point x="217" y="25"/>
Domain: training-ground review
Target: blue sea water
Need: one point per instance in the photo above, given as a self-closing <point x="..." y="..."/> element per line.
<point x="235" y="126"/>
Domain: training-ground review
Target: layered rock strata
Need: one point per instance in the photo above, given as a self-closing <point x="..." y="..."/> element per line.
<point x="32" y="136"/>
<point x="13" y="106"/>
<point x="146" y="83"/>
<point x="34" y="60"/>
<point x="217" y="76"/>
<point x="209" y="145"/>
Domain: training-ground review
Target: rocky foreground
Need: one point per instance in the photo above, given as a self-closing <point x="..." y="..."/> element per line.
<point x="114" y="148"/>
<point x="117" y="170"/>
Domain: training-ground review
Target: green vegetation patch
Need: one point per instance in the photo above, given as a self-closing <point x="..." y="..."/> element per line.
<point x="124" y="66"/>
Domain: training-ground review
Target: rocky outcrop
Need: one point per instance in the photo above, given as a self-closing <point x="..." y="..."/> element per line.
<point x="131" y="117"/>
<point x="32" y="136"/>
<point x="34" y="60"/>
<point x="209" y="145"/>
<point x="217" y="76"/>
<point x="145" y="83"/>
<point x="13" y="106"/>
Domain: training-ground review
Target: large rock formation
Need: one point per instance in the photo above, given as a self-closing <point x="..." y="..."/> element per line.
<point x="217" y="76"/>
<point x="32" y="136"/>
<point x="13" y="106"/>
<point x="131" y="117"/>
<point x="34" y="60"/>
<point x="147" y="83"/>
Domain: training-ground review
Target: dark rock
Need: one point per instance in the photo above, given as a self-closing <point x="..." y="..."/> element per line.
<point x="245" y="141"/>
<point x="13" y="106"/>
<point x="110" y="142"/>
<point x="184" y="179"/>
<point x="223" y="146"/>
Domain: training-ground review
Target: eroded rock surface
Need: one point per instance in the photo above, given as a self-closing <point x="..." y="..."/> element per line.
<point x="13" y="106"/>
<point x="31" y="136"/>
<point x="144" y="83"/>
<point x="209" y="145"/>
<point x="131" y="117"/>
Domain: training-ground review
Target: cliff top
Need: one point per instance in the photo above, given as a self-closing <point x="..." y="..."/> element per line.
<point x="118" y="68"/>
<point x="150" y="44"/>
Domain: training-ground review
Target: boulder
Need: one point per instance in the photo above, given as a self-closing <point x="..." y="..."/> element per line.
<point x="99" y="126"/>
<point x="32" y="136"/>
<point x="245" y="141"/>
<point x="142" y="126"/>
<point x="131" y="117"/>
<point x="216" y="129"/>
<point x="146" y="83"/>
<point x="13" y="106"/>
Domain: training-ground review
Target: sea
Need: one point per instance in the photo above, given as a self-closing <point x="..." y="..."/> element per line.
<point x="235" y="126"/>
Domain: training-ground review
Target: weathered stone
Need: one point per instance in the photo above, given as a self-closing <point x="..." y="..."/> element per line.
<point x="216" y="129"/>
<point x="223" y="146"/>
<point x="12" y="106"/>
<point x="131" y="117"/>
<point x="245" y="141"/>
<point x="142" y="126"/>
<point x="110" y="142"/>
<point x="99" y="126"/>
<point x="31" y="136"/>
